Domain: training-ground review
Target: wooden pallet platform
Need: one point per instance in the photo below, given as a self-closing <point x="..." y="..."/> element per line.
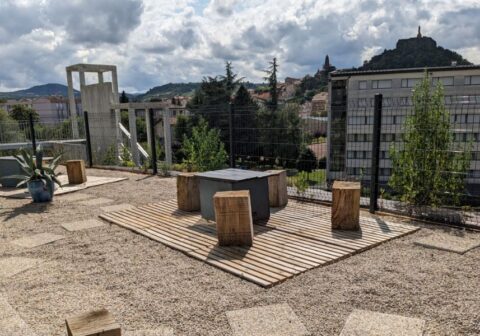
<point x="294" y="239"/>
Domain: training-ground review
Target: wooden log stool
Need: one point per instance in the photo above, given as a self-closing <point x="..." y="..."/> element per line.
<point x="95" y="323"/>
<point x="233" y="215"/>
<point x="346" y="205"/>
<point x="277" y="188"/>
<point x="76" y="172"/>
<point x="188" y="194"/>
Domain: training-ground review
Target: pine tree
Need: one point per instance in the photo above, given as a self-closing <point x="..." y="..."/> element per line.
<point x="272" y="83"/>
<point x="428" y="169"/>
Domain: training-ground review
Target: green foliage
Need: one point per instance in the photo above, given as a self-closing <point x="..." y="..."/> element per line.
<point x="413" y="53"/>
<point x="272" y="83"/>
<point x="301" y="182"/>
<point x="126" y="157"/>
<point x="109" y="158"/>
<point x="307" y="161"/>
<point x="22" y="113"/>
<point x="164" y="169"/>
<point x="204" y="150"/>
<point x="140" y="122"/>
<point x="34" y="169"/>
<point x="169" y="90"/>
<point x="428" y="170"/>
<point x="9" y="129"/>
<point x="280" y="135"/>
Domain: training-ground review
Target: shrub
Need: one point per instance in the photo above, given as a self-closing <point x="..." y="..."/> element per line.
<point x="204" y="150"/>
<point x="307" y="161"/>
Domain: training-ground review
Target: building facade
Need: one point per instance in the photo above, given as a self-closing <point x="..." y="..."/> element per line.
<point x="350" y="116"/>
<point x="53" y="109"/>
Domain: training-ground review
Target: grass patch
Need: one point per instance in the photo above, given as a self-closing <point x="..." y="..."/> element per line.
<point x="317" y="176"/>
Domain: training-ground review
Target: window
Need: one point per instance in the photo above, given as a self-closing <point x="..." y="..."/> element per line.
<point x="362" y="102"/>
<point x="387" y="102"/>
<point x="410" y="82"/>
<point x="472" y="80"/>
<point x="446" y="81"/>
<point x="405" y="101"/>
<point x="382" y="84"/>
<point x="350" y="155"/>
<point x="362" y="85"/>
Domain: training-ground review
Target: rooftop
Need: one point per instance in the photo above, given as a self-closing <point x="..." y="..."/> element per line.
<point x="354" y="72"/>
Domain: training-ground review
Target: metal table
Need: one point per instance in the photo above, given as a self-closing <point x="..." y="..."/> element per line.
<point x="235" y="179"/>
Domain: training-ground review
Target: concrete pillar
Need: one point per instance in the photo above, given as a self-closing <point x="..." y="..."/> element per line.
<point x="116" y="101"/>
<point x="133" y="136"/>
<point x="72" y="105"/>
<point x="100" y="77"/>
<point x="167" y="136"/>
<point x="115" y="85"/>
<point x="147" y="123"/>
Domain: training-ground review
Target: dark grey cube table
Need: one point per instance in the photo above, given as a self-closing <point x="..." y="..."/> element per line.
<point x="235" y="179"/>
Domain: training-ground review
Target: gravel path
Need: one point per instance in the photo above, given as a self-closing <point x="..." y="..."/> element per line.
<point x="147" y="285"/>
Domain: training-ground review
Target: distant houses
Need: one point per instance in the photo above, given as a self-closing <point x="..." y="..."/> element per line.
<point x="52" y="109"/>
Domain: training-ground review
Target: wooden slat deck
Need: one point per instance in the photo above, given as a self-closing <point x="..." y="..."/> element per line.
<point x="294" y="240"/>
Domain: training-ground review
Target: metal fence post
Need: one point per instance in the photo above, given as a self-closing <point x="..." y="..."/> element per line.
<point x="377" y="123"/>
<point x="167" y="136"/>
<point x="231" y="111"/>
<point x="153" y="145"/>
<point x="32" y="133"/>
<point x="88" y="140"/>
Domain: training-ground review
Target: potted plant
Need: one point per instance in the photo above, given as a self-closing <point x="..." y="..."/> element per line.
<point x="40" y="180"/>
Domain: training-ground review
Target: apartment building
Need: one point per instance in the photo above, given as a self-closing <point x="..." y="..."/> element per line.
<point x="350" y="116"/>
<point x="51" y="109"/>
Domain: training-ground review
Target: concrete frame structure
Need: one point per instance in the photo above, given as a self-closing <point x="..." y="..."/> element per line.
<point x="99" y="69"/>
<point x="148" y="108"/>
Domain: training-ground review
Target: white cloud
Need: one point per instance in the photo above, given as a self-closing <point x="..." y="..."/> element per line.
<point x="159" y="41"/>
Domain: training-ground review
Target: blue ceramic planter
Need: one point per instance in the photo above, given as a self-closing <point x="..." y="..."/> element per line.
<point x="41" y="191"/>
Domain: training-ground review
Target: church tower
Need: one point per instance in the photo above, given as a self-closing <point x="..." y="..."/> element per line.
<point x="419" y="34"/>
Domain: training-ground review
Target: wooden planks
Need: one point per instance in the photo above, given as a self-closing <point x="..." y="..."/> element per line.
<point x="294" y="240"/>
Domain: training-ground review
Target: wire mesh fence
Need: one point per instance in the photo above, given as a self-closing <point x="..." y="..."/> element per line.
<point x="426" y="162"/>
<point x="55" y="136"/>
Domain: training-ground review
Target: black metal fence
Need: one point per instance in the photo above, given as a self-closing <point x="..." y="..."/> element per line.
<point x="429" y="170"/>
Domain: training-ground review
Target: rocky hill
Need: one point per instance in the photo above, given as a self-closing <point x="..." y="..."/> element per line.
<point x="420" y="51"/>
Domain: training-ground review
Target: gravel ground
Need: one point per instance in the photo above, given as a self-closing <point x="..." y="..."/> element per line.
<point x="147" y="285"/>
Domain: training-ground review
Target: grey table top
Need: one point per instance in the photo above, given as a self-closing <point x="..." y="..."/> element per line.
<point x="232" y="175"/>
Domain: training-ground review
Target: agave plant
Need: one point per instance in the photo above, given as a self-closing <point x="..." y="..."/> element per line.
<point x="34" y="169"/>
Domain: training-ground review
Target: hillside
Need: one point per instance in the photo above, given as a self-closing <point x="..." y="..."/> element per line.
<point x="169" y="90"/>
<point x="51" y="89"/>
<point x="420" y="51"/>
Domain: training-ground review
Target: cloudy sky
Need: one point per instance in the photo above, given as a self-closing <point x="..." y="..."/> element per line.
<point x="154" y="42"/>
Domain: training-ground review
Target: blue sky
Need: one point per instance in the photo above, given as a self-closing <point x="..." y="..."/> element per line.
<point x="154" y="42"/>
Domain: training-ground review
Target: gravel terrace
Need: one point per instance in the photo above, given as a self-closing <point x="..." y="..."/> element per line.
<point x="147" y="285"/>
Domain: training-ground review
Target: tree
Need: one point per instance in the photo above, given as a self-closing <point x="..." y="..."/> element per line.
<point x="272" y="83"/>
<point x="279" y="135"/>
<point x="427" y="168"/>
<point x="9" y="130"/>
<point x="244" y="122"/>
<point x="230" y="80"/>
<point x="124" y="98"/>
<point x="204" y="150"/>
<point x="22" y="113"/>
